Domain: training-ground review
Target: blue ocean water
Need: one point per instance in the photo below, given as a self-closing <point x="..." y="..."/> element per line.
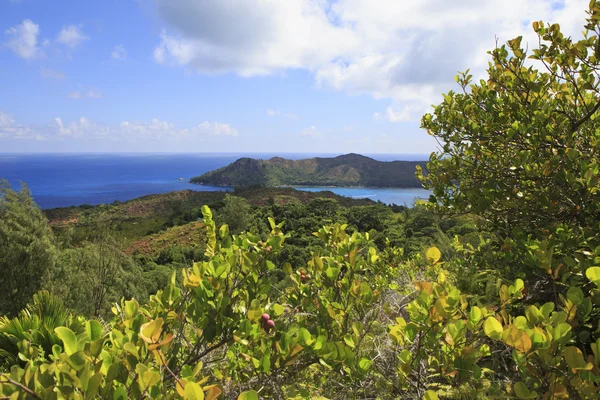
<point x="62" y="180"/>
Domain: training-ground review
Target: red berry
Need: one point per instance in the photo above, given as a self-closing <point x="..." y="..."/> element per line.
<point x="303" y="277"/>
<point x="265" y="317"/>
<point x="270" y="324"/>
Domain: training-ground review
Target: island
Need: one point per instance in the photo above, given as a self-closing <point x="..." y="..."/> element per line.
<point x="345" y="170"/>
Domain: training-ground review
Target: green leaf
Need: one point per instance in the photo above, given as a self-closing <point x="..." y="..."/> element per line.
<point x="430" y="395"/>
<point x="304" y="337"/>
<point x="492" y="328"/>
<point x="475" y="314"/>
<point x="365" y="364"/>
<point x="93" y="329"/>
<point x="575" y="359"/>
<point x="255" y="311"/>
<point x="433" y="254"/>
<point x="593" y="274"/>
<point x="523" y="392"/>
<point x="193" y="392"/>
<point x="249" y="395"/>
<point x="575" y="295"/>
<point x="278" y="309"/>
<point x="69" y="339"/>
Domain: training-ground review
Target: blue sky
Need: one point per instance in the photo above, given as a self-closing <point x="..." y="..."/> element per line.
<point x="242" y="75"/>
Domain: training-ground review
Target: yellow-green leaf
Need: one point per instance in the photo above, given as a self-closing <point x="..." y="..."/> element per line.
<point x="430" y="395"/>
<point x="492" y="328"/>
<point x="69" y="339"/>
<point x="523" y="392"/>
<point x="593" y="274"/>
<point x="254" y="312"/>
<point x="433" y="254"/>
<point x="193" y="392"/>
<point x="249" y="395"/>
<point x="575" y="359"/>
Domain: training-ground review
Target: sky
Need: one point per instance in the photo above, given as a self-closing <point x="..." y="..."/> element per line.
<point x="313" y="76"/>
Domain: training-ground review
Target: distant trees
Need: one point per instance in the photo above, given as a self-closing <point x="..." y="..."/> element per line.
<point x="96" y="275"/>
<point x="236" y="213"/>
<point x="27" y="248"/>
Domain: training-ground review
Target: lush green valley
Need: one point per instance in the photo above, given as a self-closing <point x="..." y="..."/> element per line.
<point x="489" y="290"/>
<point x="346" y="170"/>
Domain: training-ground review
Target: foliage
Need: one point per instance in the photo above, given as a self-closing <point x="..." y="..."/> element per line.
<point x="95" y="275"/>
<point x="27" y="248"/>
<point x="236" y="213"/>
<point x="207" y="335"/>
<point x="519" y="150"/>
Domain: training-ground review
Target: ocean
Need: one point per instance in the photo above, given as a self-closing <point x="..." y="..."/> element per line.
<point x="63" y="180"/>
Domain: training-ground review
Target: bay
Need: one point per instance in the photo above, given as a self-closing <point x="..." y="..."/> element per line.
<point x="63" y="180"/>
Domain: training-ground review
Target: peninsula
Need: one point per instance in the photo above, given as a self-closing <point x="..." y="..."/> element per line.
<point x="345" y="170"/>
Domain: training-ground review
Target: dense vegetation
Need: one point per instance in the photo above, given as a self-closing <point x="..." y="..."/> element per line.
<point x="491" y="289"/>
<point x="346" y="170"/>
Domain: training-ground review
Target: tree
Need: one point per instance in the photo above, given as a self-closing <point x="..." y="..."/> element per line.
<point x="96" y="275"/>
<point x="236" y="213"/>
<point x="27" y="249"/>
<point x="521" y="148"/>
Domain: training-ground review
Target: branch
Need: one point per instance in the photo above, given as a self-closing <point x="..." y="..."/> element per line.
<point x="20" y="386"/>
<point x="586" y="117"/>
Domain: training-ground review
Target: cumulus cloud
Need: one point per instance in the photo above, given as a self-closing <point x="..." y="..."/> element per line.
<point x="158" y="129"/>
<point x="119" y="52"/>
<point x="71" y="36"/>
<point x="91" y="94"/>
<point x="9" y="128"/>
<point x="277" y="113"/>
<point x="214" y="129"/>
<point x="405" y="51"/>
<point x="311" y="132"/>
<point x="85" y="129"/>
<point x="249" y="37"/>
<point x="23" y="39"/>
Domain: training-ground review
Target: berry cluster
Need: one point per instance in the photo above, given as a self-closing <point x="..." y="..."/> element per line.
<point x="268" y="323"/>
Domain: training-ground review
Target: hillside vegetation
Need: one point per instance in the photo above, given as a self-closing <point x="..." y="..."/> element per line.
<point x="489" y="290"/>
<point x="345" y="170"/>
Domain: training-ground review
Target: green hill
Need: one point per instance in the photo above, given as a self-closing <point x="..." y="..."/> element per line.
<point x="345" y="170"/>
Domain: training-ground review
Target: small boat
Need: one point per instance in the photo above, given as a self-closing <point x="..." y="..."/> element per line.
<point x="181" y="179"/>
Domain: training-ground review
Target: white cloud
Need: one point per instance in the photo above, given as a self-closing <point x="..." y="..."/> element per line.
<point x="49" y="73"/>
<point x="276" y="113"/>
<point x="214" y="129"/>
<point x="157" y="129"/>
<point x="402" y="113"/>
<point x="311" y="132"/>
<point x="404" y="51"/>
<point x="119" y="52"/>
<point x="23" y="39"/>
<point x="91" y="94"/>
<point x="132" y="131"/>
<point x="249" y="37"/>
<point x="82" y="128"/>
<point x="10" y="129"/>
<point x="71" y="36"/>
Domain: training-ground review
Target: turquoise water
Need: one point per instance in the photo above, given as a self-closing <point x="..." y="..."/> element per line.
<point x="62" y="180"/>
<point x="401" y="197"/>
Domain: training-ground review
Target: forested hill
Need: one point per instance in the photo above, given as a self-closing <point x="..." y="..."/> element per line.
<point x="345" y="170"/>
